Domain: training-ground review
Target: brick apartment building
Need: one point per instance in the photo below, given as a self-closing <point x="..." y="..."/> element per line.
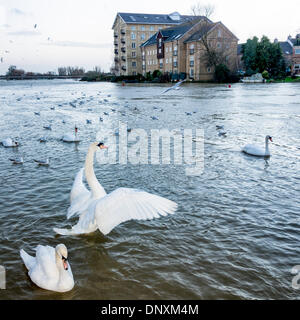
<point x="180" y="49"/>
<point x="133" y="29"/>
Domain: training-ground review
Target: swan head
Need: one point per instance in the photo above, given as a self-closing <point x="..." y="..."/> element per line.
<point x="269" y="138"/>
<point x="62" y="253"/>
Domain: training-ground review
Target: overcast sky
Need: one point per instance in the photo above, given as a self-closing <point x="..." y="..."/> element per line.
<point x="80" y="30"/>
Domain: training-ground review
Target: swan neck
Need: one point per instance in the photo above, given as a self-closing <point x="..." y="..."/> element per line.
<point x="267" y="146"/>
<point x="89" y="170"/>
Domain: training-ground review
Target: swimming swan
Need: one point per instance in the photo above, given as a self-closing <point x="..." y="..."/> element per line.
<point x="257" y="150"/>
<point x="98" y="210"/>
<point x="50" y="268"/>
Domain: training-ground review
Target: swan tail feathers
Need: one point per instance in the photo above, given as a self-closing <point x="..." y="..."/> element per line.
<point x="68" y="232"/>
<point x="28" y="260"/>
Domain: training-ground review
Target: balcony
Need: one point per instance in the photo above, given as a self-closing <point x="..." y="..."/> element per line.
<point x="175" y="53"/>
<point x="123" y="68"/>
<point x="123" y="49"/>
<point x="123" y="40"/>
<point x="116" y="51"/>
<point x="123" y="58"/>
<point x="175" y="64"/>
<point x="123" y="31"/>
<point x="161" y="65"/>
<point x="192" y="51"/>
<point x="116" y="44"/>
<point x="116" y="60"/>
<point x="191" y="63"/>
<point x="115" y="35"/>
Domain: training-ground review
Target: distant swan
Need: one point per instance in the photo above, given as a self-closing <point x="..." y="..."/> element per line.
<point x="70" y="137"/>
<point x="98" y="210"/>
<point x="257" y="150"/>
<point x="50" y="268"/>
<point x="10" y="143"/>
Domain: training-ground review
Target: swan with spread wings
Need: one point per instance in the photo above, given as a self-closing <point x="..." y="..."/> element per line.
<point x="98" y="210"/>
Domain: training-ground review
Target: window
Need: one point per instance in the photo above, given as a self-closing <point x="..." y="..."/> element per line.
<point x="192" y="61"/>
<point x="134" y="73"/>
<point x="142" y="28"/>
<point x="134" y="64"/>
<point x="208" y="69"/>
<point x="133" y="54"/>
<point x="133" y="28"/>
<point x="151" y="28"/>
<point x="297" y="51"/>
<point x="167" y="61"/>
<point x="219" y="33"/>
<point x="143" y="36"/>
<point x="175" y="62"/>
<point x="191" y="73"/>
<point x="133" y="36"/>
<point x="133" y="45"/>
<point x="219" y="45"/>
<point x="159" y="50"/>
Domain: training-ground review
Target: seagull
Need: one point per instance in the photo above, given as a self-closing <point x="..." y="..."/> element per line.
<point x="222" y="133"/>
<point x="188" y="113"/>
<point x="42" y="162"/>
<point x="52" y="108"/>
<point x="43" y="139"/>
<point x="154" y="118"/>
<point x="37" y="113"/>
<point x="19" y="160"/>
<point x="106" y="113"/>
<point x="219" y="127"/>
<point x="88" y="121"/>
<point x="35" y="26"/>
<point x="64" y="121"/>
<point x="100" y="119"/>
<point x="72" y="104"/>
<point x="48" y="127"/>
<point x="1" y="59"/>
<point x="175" y="87"/>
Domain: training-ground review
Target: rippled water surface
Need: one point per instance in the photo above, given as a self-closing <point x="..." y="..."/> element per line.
<point x="236" y="232"/>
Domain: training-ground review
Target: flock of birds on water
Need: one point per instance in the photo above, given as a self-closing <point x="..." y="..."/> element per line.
<point x="97" y="210"/>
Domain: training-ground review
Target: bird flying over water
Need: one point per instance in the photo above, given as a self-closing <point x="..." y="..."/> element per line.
<point x="175" y="87"/>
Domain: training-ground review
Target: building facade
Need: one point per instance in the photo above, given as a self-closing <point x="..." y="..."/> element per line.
<point x="181" y="49"/>
<point x="133" y="29"/>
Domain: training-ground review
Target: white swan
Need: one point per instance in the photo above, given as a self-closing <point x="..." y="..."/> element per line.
<point x="9" y="143"/>
<point x="257" y="150"/>
<point x="50" y="268"/>
<point x="70" y="137"/>
<point x="98" y="210"/>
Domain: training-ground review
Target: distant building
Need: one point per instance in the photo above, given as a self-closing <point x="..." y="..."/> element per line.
<point x="291" y="52"/>
<point x="180" y="49"/>
<point x="133" y="29"/>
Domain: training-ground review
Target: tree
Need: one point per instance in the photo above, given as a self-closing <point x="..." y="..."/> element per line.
<point x="260" y="56"/>
<point x="62" y="71"/>
<point x="222" y="73"/>
<point x="212" y="56"/>
<point x="249" y="55"/>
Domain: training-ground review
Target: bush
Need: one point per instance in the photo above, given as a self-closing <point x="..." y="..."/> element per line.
<point x="265" y="74"/>
<point x="222" y="73"/>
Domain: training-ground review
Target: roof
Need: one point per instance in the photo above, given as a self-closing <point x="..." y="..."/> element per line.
<point x="145" y="18"/>
<point x="172" y="33"/>
<point x="199" y="33"/>
<point x="285" y="47"/>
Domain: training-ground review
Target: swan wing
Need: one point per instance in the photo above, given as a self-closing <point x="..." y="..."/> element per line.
<point x="81" y="197"/>
<point x="254" y="150"/>
<point x="78" y="188"/>
<point x="125" y="204"/>
<point x="28" y="260"/>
